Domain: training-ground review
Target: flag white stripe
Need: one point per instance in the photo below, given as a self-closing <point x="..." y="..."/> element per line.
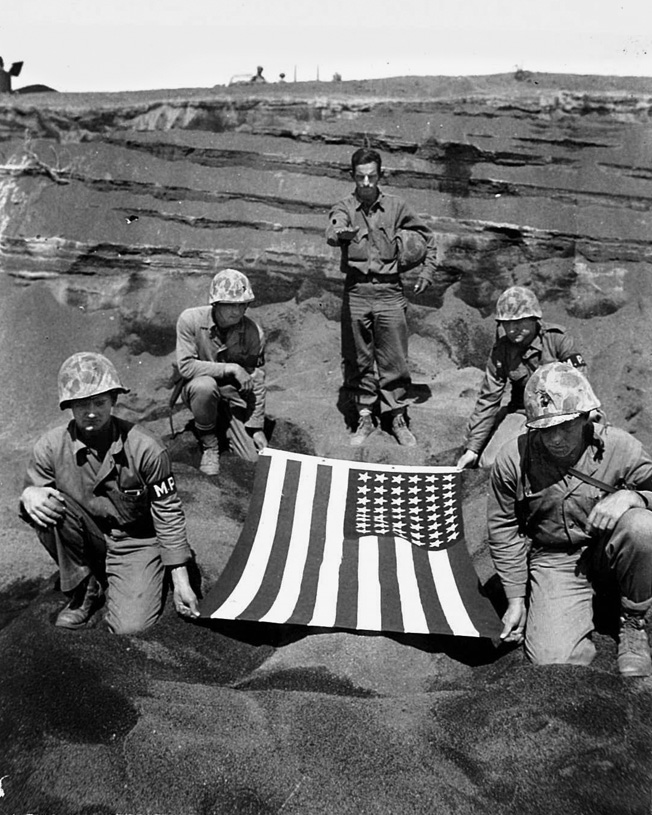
<point x="449" y="597"/>
<point x="325" y="608"/>
<point x="290" y="588"/>
<point x="369" y="607"/>
<point x="414" y="619"/>
<point x="254" y="571"/>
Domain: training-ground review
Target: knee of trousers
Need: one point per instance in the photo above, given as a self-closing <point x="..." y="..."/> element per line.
<point x="130" y="622"/>
<point x="560" y="653"/>
<point x="633" y="531"/>
<point x="201" y="387"/>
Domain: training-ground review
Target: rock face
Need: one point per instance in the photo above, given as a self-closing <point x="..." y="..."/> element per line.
<point x="129" y="203"/>
<point x="115" y="212"/>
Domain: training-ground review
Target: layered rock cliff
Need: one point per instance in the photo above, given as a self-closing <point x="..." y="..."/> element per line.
<point x="131" y="202"/>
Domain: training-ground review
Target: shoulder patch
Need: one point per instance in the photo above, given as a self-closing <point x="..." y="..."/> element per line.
<point x="161" y="489"/>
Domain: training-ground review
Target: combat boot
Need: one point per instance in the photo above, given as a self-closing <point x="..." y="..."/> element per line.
<point x="210" y="459"/>
<point x="401" y="431"/>
<point x="86" y="600"/>
<point x="364" y="430"/>
<point x="633" y="644"/>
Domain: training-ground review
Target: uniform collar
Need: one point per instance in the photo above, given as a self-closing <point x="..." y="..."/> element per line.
<point x="379" y="203"/>
<point x="220" y="335"/>
<point x="79" y="445"/>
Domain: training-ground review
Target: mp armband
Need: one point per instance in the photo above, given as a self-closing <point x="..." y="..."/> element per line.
<point x="162" y="489"/>
<point x="577" y="360"/>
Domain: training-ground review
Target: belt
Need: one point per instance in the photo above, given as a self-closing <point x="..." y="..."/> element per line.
<point x="372" y="277"/>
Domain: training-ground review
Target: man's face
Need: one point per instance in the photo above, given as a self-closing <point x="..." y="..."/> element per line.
<point x="366" y="177"/>
<point x="520" y="332"/>
<point x="93" y="415"/>
<point x="564" y="441"/>
<point x="227" y="314"/>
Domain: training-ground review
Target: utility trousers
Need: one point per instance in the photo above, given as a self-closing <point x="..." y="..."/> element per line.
<point x="562" y="588"/>
<point x="129" y="568"/>
<point x="375" y="343"/>
<point x="223" y="408"/>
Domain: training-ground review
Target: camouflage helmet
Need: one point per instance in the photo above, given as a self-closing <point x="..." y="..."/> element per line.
<point x="411" y="249"/>
<point x="230" y="286"/>
<point x="557" y="393"/>
<point x="517" y="302"/>
<point x="87" y="374"/>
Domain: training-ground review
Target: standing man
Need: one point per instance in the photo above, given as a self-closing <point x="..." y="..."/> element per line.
<point x="102" y="498"/>
<point x="569" y="505"/>
<point x="370" y="227"/>
<point x="523" y="343"/>
<point x="221" y="355"/>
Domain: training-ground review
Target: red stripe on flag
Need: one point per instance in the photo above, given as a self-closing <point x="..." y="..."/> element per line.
<point x="346" y="615"/>
<point x="316" y="527"/>
<point x="391" y="610"/>
<point x="276" y="564"/>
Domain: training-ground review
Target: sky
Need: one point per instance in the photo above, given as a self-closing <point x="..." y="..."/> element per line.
<point x="118" y="45"/>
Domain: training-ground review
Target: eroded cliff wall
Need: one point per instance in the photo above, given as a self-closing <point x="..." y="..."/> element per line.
<point x="129" y="203"/>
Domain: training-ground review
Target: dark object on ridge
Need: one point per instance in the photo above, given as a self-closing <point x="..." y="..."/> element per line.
<point x="36" y="89"/>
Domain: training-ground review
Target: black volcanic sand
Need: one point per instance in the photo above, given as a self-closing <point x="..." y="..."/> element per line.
<point x="176" y="721"/>
<point x="244" y="718"/>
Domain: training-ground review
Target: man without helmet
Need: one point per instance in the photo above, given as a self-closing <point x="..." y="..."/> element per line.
<point x="373" y="231"/>
<point x="523" y="343"/>
<point x="569" y="509"/>
<point x="101" y="496"/>
<point x="221" y="357"/>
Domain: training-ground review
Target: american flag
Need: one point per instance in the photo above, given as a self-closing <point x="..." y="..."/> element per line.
<point x="345" y="544"/>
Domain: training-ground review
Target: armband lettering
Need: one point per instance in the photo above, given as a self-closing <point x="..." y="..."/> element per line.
<point x="577" y="360"/>
<point x="161" y="489"/>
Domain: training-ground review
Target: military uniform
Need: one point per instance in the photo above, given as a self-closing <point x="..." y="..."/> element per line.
<point x="203" y="352"/>
<point x="123" y="518"/>
<point x="513" y="364"/>
<point x="374" y="326"/>
<point x="541" y="545"/>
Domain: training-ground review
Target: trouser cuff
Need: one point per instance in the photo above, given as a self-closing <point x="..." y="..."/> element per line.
<point x="642" y="609"/>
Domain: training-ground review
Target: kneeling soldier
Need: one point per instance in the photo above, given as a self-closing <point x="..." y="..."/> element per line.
<point x="569" y="506"/>
<point x="101" y="495"/>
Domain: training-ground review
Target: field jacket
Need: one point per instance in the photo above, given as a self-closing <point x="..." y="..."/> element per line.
<point x="131" y="490"/>
<point x="374" y="249"/>
<point x="204" y="350"/>
<point x="532" y="500"/>
<point x="515" y="364"/>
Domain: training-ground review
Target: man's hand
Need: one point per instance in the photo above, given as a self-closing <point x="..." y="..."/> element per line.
<point x="243" y="378"/>
<point x="514" y="621"/>
<point x="44" y="505"/>
<point x="421" y="285"/>
<point x="609" y="510"/>
<point x="185" y="600"/>
<point x="260" y="439"/>
<point x="347" y="233"/>
<point x="467" y="459"/>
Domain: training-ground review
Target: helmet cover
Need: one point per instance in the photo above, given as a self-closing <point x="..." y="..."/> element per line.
<point x="516" y="303"/>
<point x="87" y="374"/>
<point x="230" y="286"/>
<point x="557" y="393"/>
